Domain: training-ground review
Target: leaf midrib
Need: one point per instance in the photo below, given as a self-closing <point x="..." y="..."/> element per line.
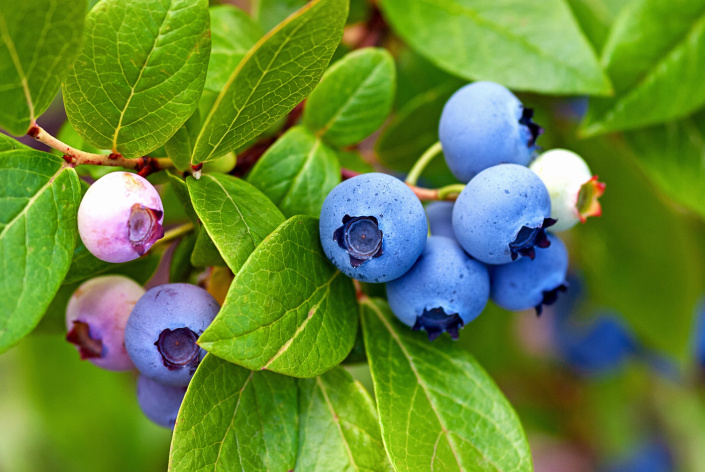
<point x="9" y="43"/>
<point x="444" y="429"/>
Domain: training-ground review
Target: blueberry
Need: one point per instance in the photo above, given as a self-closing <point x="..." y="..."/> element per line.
<point x="120" y="217"/>
<point x="573" y="189"/>
<point x="160" y="403"/>
<point x="96" y="316"/>
<point x="163" y="328"/>
<point x="443" y="291"/>
<point x="483" y="124"/>
<point x="440" y="219"/>
<point x="527" y="284"/>
<point x="373" y="228"/>
<point x="502" y="214"/>
<point x="650" y="456"/>
<point x="598" y="347"/>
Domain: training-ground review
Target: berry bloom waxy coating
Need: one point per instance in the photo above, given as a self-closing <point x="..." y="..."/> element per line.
<point x="573" y="189"/>
<point x="163" y="328"/>
<point x="483" y="124"/>
<point x="502" y="214"/>
<point x="526" y="284"/>
<point x="373" y="227"/>
<point x="440" y="218"/>
<point x="443" y="291"/>
<point x="160" y="403"/>
<point x="120" y="217"/>
<point x="96" y="316"/>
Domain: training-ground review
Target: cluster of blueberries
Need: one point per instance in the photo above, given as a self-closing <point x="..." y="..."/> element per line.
<point x="490" y="244"/>
<point x="118" y="326"/>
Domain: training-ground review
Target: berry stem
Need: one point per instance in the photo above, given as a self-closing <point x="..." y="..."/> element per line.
<point x="75" y="157"/>
<point x="450" y="192"/>
<point x="175" y="233"/>
<point x="423" y="161"/>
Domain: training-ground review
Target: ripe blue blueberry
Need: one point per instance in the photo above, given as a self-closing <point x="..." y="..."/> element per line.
<point x="373" y="228"/>
<point x="502" y="214"/>
<point x="163" y="328"/>
<point x="440" y="219"/>
<point x="596" y="348"/>
<point x="120" y="217"/>
<point x="96" y="316"/>
<point x="443" y="291"/>
<point x="160" y="403"/>
<point x="483" y="124"/>
<point x="651" y="456"/>
<point x="526" y="284"/>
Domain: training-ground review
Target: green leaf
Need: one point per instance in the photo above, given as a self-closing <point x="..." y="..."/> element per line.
<point x="233" y="33"/>
<point x="297" y="173"/>
<point x="39" y="197"/>
<point x="204" y="251"/>
<point x="494" y="39"/>
<point x="353" y="99"/>
<point x="275" y="75"/>
<point x="438" y="408"/>
<point x="653" y="55"/>
<point x="85" y="265"/>
<point x="595" y="18"/>
<point x="180" y="145"/>
<point x="139" y="74"/>
<point x="288" y="309"/>
<point x="672" y="156"/>
<point x="269" y="13"/>
<point x="353" y="160"/>
<point x="180" y="267"/>
<point x="235" y="214"/>
<point x="235" y="419"/>
<point x="181" y="190"/>
<point x="412" y="130"/>
<point x="338" y="426"/>
<point x="39" y="39"/>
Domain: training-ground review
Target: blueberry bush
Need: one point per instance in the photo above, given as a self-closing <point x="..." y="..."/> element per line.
<point x="294" y="235"/>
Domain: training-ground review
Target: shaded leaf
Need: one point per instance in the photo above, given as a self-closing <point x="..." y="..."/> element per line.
<point x="288" y="309"/>
<point x="281" y="69"/>
<point x="233" y="33"/>
<point x="297" y="173"/>
<point x="269" y="13"/>
<point x="235" y="214"/>
<point x="180" y="145"/>
<point x="204" y="251"/>
<point x="235" y="419"/>
<point x="492" y="40"/>
<point x="38" y="40"/>
<point x="139" y="74"/>
<point x="338" y="426"/>
<point x="654" y="56"/>
<point x="39" y="197"/>
<point x="455" y="421"/>
<point x="353" y="99"/>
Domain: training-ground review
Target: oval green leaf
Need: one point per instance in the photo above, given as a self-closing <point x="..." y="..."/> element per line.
<point x="235" y="419"/>
<point x="139" y="74"/>
<point x="438" y="408"/>
<point x="654" y="56"/>
<point x="39" y="197"/>
<point x="233" y="33"/>
<point x="235" y="214"/>
<point x="288" y="309"/>
<point x="353" y="99"/>
<point x="297" y="173"/>
<point x="38" y="40"/>
<point x="338" y="426"/>
<point x="274" y="76"/>
<point x="180" y="145"/>
<point x="524" y="45"/>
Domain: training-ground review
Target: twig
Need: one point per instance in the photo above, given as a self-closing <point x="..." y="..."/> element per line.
<point x="74" y="157"/>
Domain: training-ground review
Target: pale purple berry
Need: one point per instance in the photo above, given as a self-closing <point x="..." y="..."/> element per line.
<point x="120" y="217"/>
<point x="96" y="316"/>
<point x="160" y="403"/>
